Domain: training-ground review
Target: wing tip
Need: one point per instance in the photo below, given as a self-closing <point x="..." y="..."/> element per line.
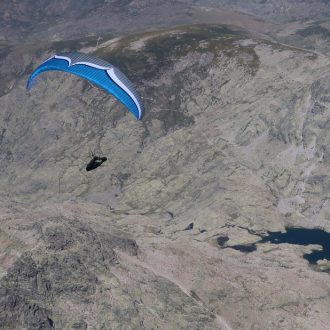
<point x="141" y="114"/>
<point x="29" y="84"/>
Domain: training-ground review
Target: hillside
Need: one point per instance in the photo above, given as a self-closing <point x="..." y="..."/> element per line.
<point x="234" y="144"/>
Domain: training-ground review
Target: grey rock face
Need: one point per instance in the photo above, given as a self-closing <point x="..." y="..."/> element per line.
<point x="20" y="289"/>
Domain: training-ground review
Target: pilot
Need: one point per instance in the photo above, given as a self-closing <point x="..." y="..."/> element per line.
<point x="95" y="163"/>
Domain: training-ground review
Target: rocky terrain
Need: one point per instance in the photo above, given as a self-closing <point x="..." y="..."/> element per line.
<point x="167" y="233"/>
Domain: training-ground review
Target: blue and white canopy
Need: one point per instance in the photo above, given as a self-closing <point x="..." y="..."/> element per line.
<point x="97" y="71"/>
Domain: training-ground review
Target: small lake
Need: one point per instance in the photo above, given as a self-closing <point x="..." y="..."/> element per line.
<point x="299" y="236"/>
<point x="302" y="236"/>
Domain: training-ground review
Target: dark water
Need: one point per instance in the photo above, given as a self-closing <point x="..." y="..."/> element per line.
<point x="300" y="236"/>
<point x="303" y="236"/>
<point x="222" y="240"/>
<point x="245" y="248"/>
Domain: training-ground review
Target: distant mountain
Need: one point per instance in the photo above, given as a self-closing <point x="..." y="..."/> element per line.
<point x="279" y="10"/>
<point x="26" y="15"/>
<point x="71" y="18"/>
<point x="20" y="18"/>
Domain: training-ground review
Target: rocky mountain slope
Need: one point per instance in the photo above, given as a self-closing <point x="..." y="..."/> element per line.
<point x="234" y="144"/>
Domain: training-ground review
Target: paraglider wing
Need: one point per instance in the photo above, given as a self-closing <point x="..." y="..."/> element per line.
<point x="97" y="71"/>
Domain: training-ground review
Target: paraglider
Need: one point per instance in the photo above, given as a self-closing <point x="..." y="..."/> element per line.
<point x="101" y="74"/>
<point x="97" y="71"/>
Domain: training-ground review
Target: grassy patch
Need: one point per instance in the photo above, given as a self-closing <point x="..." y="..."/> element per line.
<point x="163" y="48"/>
<point x="172" y="119"/>
<point x="315" y="30"/>
<point x="77" y="44"/>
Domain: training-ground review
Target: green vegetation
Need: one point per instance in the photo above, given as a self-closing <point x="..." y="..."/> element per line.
<point x="4" y="50"/>
<point x="156" y="55"/>
<point x="77" y="44"/>
<point x="163" y="48"/>
<point x="173" y="118"/>
<point x="315" y="30"/>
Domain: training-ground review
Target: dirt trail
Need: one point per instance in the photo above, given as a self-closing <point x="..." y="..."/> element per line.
<point x="137" y="262"/>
